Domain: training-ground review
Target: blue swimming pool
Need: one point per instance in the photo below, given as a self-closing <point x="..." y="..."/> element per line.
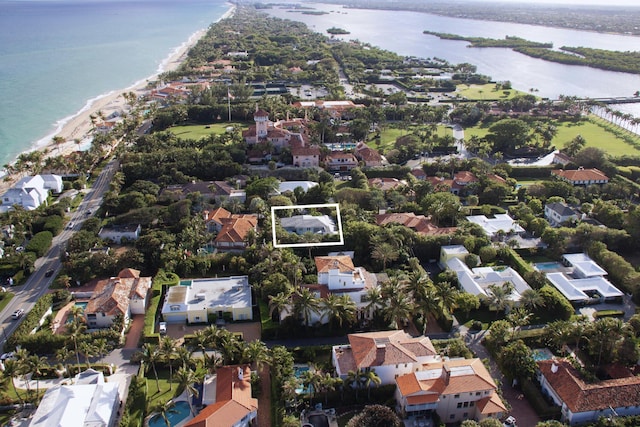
<point x="297" y="371"/>
<point x="82" y="304"/>
<point x="548" y="266"/>
<point x="542" y="354"/>
<point x="178" y="413"/>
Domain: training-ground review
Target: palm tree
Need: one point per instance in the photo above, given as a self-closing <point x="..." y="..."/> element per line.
<point x="88" y="350"/>
<point x="399" y="309"/>
<point x="183" y="355"/>
<point x="257" y="353"/>
<point x="370" y="377"/>
<point x="186" y="381"/>
<point x="384" y="252"/>
<point x="374" y="300"/>
<point x="305" y="305"/>
<point x="531" y="299"/>
<point x="164" y="409"/>
<point x="355" y="379"/>
<point x="150" y="356"/>
<point x="34" y="364"/>
<point x="75" y="329"/>
<point x="498" y="296"/>
<point x="311" y="379"/>
<point x="518" y="318"/>
<point x="167" y="350"/>
<point x="429" y="303"/>
<point x="63" y="355"/>
<point x="11" y="371"/>
<point x="278" y="303"/>
<point x="448" y="296"/>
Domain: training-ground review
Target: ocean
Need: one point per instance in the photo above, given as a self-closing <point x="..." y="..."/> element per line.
<point x="58" y="56"/>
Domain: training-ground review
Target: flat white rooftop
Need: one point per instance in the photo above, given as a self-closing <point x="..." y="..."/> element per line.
<point x="213" y="292"/>
<point x="575" y="290"/>
<point x="499" y="222"/>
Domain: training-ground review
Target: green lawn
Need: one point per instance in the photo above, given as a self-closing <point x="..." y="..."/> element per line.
<point x="595" y="136"/>
<point x="389" y="135"/>
<point x="160" y="395"/>
<point x="486" y="92"/>
<point x="202" y="131"/>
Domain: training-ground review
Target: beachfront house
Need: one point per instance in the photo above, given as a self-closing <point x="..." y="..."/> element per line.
<point x="31" y="192"/>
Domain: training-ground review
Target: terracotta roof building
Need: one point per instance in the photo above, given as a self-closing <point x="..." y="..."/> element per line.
<point x="369" y="156"/>
<point x="457" y="390"/>
<point x="389" y="353"/>
<point x="581" y="176"/>
<point x="583" y="402"/>
<point x="419" y="223"/>
<point x="123" y="295"/>
<point x="234" y="406"/>
<point x="234" y="232"/>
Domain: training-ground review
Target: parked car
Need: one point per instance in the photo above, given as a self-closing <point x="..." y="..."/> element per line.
<point x="162" y="328"/>
<point x="18" y="313"/>
<point x="510" y="422"/>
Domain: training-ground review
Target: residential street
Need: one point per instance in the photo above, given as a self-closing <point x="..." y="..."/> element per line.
<point x="37" y="284"/>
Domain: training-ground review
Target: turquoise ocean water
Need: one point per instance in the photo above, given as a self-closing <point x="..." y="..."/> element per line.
<point x="57" y="56"/>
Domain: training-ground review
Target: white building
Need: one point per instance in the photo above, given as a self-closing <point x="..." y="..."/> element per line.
<point x="116" y="233"/>
<point x="31" y="192"/>
<point x="195" y="300"/>
<point x="499" y="223"/>
<point x="584" y="281"/>
<point x="584" y="402"/>
<point x="124" y="295"/>
<point x="301" y="224"/>
<point x="559" y="213"/>
<point x="79" y="405"/>
<point x="389" y="353"/>
<point x="456" y="389"/>
<point x="477" y="281"/>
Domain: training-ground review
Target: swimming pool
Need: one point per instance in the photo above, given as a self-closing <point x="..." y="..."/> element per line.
<point x="297" y="371"/>
<point x="82" y="304"/>
<point x="177" y="414"/>
<point x="539" y="354"/>
<point x="548" y="266"/>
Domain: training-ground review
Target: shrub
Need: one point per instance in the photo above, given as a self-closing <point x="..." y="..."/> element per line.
<point x="487" y="253"/>
<point x="40" y="243"/>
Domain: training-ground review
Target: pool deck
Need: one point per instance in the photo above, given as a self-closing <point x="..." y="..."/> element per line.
<point x="59" y="322"/>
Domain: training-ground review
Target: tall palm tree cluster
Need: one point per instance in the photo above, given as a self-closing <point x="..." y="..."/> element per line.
<point x="25" y="367"/>
<point x="412" y="296"/>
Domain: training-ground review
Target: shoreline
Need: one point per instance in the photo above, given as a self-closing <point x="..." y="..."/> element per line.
<point x="78" y="126"/>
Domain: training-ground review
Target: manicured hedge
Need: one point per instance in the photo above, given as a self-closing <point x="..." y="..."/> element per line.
<point x="31" y="320"/>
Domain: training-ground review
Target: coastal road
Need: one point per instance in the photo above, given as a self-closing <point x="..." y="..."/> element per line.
<point x="38" y="284"/>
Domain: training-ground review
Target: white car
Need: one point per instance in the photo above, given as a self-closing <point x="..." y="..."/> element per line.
<point x="162" y="328"/>
<point x="510" y="422"/>
<point x="18" y="313"/>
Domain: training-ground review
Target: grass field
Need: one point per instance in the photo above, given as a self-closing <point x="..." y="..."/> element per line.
<point x="595" y="135"/>
<point x="486" y="92"/>
<point x="202" y="131"/>
<point x="389" y="135"/>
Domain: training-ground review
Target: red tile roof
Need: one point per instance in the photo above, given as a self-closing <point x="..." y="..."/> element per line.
<point x="388" y="348"/>
<point x="112" y="296"/>
<point x="341" y="262"/>
<point x="580" y="396"/>
<point x="581" y="175"/>
<point x="233" y="399"/>
<point x="420" y="223"/>
<point x="236" y="229"/>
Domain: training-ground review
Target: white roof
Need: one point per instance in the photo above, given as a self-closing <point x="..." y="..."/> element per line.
<point x="292" y="185"/>
<point x="478" y="280"/>
<point x="210" y="293"/>
<point x="77" y="406"/>
<point x="499" y="222"/>
<point x="574" y="289"/>
<point x="584" y="265"/>
<point x="454" y="249"/>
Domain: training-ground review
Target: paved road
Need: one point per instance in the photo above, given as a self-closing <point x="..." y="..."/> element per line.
<point x="37" y="284"/>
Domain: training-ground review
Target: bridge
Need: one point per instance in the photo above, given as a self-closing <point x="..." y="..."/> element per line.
<point x="615" y="100"/>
